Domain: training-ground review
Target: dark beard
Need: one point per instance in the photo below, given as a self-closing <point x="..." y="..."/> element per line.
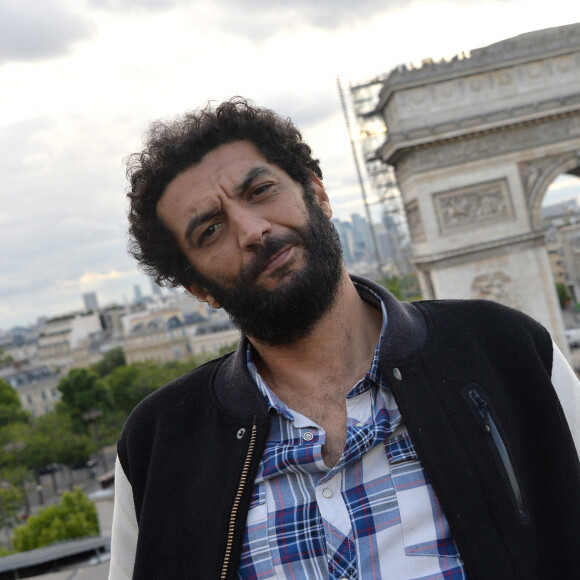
<point x="290" y="311"/>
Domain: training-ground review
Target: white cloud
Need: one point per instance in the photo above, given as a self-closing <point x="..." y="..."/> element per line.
<point x="82" y="79"/>
<point x="31" y="30"/>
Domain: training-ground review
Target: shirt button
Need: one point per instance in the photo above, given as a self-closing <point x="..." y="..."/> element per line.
<point x="327" y="492"/>
<point x="308" y="436"/>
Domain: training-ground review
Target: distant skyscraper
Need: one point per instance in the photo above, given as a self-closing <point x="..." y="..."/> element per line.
<point x="138" y="294"/>
<point x="344" y="230"/>
<point x="91" y="302"/>
<point x="394" y="237"/>
<point x="155" y="288"/>
<point x="363" y="242"/>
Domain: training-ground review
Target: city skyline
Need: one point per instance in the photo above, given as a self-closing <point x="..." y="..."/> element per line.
<point x="81" y="80"/>
<point x="564" y="188"/>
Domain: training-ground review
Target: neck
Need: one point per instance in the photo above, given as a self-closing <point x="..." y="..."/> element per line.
<point x="335" y="355"/>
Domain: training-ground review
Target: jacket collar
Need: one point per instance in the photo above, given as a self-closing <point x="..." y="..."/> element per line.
<point x="406" y="333"/>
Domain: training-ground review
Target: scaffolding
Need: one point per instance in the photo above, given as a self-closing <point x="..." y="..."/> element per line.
<point x="372" y="132"/>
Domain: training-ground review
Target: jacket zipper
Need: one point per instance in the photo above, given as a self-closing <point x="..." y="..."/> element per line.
<point x="490" y="428"/>
<point x="236" y="504"/>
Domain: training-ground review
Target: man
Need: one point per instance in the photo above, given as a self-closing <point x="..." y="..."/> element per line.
<point x="350" y="435"/>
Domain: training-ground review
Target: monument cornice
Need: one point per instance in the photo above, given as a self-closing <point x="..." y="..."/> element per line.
<point x="519" y="50"/>
<point x="466" y="253"/>
<point x="398" y="145"/>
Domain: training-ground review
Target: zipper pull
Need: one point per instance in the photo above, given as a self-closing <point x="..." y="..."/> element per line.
<point x="483" y="409"/>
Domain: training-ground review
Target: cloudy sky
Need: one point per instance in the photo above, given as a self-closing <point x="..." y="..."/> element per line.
<point x="81" y="79"/>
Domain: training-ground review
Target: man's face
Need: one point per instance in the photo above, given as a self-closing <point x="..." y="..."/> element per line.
<point x="272" y="260"/>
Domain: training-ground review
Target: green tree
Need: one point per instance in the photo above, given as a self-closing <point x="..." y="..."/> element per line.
<point x="130" y="384"/>
<point x="112" y="359"/>
<point x="564" y="296"/>
<point x="74" y="516"/>
<point x="55" y="441"/>
<point x="11" y="499"/>
<point x="82" y="392"/>
<point x="5" y="359"/>
<point x="13" y="464"/>
<point x="402" y="287"/>
<point x="11" y="410"/>
<point x="47" y="439"/>
<point x="13" y="437"/>
<point x="126" y="387"/>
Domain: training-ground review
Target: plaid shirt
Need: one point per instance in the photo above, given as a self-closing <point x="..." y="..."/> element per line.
<point x="373" y="515"/>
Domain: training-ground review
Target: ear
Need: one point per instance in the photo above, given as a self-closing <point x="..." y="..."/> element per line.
<point x="321" y="196"/>
<point x="202" y="295"/>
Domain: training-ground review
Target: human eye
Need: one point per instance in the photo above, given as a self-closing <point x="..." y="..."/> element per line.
<point x="261" y="189"/>
<point x="208" y="233"/>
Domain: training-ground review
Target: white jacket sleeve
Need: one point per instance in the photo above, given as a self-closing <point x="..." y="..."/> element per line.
<point x="125" y="529"/>
<point x="567" y="388"/>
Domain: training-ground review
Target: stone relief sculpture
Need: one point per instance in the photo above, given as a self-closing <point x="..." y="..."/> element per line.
<point x="476" y="204"/>
<point x="414" y="221"/>
<point x="494" y="286"/>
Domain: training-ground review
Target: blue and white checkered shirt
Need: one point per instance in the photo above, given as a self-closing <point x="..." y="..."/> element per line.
<point x="373" y="515"/>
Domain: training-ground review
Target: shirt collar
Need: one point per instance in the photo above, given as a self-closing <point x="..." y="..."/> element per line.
<point x="372" y="376"/>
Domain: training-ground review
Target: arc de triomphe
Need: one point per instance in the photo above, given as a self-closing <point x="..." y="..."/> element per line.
<point x="475" y="143"/>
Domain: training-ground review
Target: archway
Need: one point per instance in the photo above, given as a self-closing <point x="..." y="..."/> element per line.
<point x="560" y="216"/>
<point x="475" y="143"/>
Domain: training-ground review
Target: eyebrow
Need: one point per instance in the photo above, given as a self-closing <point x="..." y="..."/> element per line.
<point x="199" y="219"/>
<point x="253" y="174"/>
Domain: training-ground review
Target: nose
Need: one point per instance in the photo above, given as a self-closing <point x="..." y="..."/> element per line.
<point x="250" y="228"/>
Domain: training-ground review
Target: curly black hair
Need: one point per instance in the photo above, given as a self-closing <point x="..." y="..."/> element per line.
<point x="173" y="147"/>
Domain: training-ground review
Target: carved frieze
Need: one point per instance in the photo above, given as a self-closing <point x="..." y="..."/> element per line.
<point x="540" y="42"/>
<point x="494" y="286"/>
<point x="431" y="107"/>
<point x="414" y="221"/>
<point x="492" y="144"/>
<point x="477" y="204"/>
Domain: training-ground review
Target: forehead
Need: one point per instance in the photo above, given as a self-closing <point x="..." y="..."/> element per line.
<point x="219" y="172"/>
<point x="227" y="163"/>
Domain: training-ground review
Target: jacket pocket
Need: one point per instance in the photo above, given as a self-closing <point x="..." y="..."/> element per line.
<point x="491" y="429"/>
<point x="425" y="528"/>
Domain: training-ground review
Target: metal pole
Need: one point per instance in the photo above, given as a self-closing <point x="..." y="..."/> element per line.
<point x="360" y="179"/>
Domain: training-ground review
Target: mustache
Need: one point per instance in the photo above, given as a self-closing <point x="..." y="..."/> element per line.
<point x="265" y="252"/>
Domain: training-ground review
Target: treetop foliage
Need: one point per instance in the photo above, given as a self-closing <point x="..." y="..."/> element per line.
<point x="75" y="516"/>
<point x="111" y="360"/>
<point x="90" y="414"/>
<point x="564" y="296"/>
<point x="402" y="287"/>
<point x="11" y="410"/>
<point x="82" y="392"/>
